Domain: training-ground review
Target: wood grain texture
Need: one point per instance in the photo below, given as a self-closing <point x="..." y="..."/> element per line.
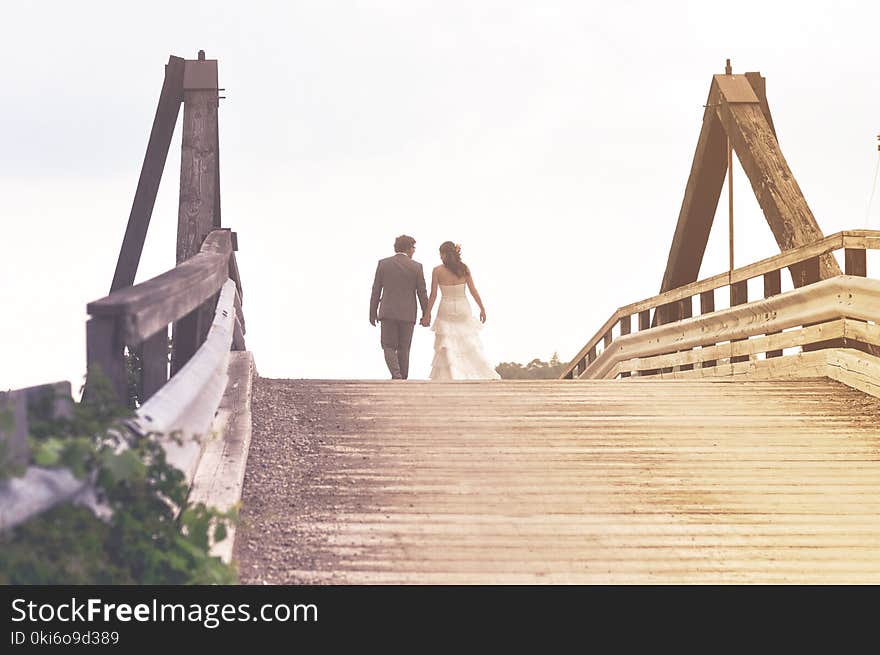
<point x="238" y="343"/>
<point x="851" y="366"/>
<point x="151" y="305"/>
<point x="840" y="297"/>
<point x="707" y="306"/>
<point x="853" y="239"/>
<point x="855" y="262"/>
<point x="219" y="476"/>
<point x="772" y="287"/>
<point x="105" y="355"/>
<point x="700" y="201"/>
<point x="154" y="358"/>
<point x="198" y="172"/>
<point x="181" y="412"/>
<point x="706" y="178"/>
<point x="146" y="308"/>
<point x="199" y="209"/>
<point x="739" y="295"/>
<point x="790" y="218"/>
<point x="550" y="482"/>
<point x="854" y="368"/>
<point x="235" y="275"/>
<point x="189" y="332"/>
<point x="742" y="350"/>
<point x="759" y="85"/>
<point x="783" y="260"/>
<point x="239" y="312"/>
<point x="151" y="175"/>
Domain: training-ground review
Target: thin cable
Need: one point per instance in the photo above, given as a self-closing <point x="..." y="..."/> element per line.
<point x="730" y="202"/>
<point x="873" y="189"/>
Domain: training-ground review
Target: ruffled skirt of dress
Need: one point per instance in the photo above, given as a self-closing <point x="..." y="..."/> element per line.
<point x="458" y="351"/>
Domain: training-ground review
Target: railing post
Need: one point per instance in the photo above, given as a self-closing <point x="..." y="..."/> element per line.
<point x="807" y="266"/>
<point x="625" y="328"/>
<point x="806" y="272"/>
<point x="772" y="287"/>
<point x="686" y="307"/>
<point x="154" y="362"/>
<point x="668" y="313"/>
<point x="707" y="301"/>
<point x="686" y="310"/>
<point x="239" y="328"/>
<point x="707" y="306"/>
<point x="189" y="333"/>
<point x="645" y="324"/>
<point x="238" y="336"/>
<point x="855" y="262"/>
<point x="234" y="275"/>
<point x="199" y="208"/>
<point x="739" y="295"/>
<point x="104" y="353"/>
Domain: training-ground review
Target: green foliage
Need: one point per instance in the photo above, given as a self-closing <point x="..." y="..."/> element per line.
<point x="7" y="426"/>
<point x="134" y="373"/>
<point x="134" y="379"/>
<point x="146" y="540"/>
<point x="534" y="370"/>
<point x="8" y="466"/>
<point x="7" y="421"/>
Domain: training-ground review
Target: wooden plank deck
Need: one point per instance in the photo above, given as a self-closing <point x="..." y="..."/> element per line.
<point x="561" y="482"/>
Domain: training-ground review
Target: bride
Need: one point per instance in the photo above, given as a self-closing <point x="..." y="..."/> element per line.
<point x="458" y="353"/>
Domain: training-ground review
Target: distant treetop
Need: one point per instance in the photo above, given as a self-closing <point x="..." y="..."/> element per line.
<point x="534" y="370"/>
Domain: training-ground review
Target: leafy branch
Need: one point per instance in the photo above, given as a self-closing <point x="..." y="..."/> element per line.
<point x="152" y="536"/>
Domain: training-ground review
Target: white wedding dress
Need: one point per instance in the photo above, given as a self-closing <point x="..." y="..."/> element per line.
<point x="458" y="353"/>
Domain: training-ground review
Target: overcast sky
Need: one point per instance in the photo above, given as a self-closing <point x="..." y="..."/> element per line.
<point x="553" y="140"/>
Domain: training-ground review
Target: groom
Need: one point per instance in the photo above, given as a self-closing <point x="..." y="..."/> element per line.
<point x="398" y="281"/>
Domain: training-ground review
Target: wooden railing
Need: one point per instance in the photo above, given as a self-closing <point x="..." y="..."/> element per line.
<point x="177" y="410"/>
<point x="138" y="317"/>
<point x="670" y="338"/>
<point x="177" y="399"/>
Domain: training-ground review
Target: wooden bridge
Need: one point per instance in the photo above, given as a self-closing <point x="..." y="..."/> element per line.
<point x="725" y="430"/>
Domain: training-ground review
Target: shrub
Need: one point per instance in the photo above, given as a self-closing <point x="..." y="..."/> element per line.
<point x="153" y="536"/>
<point x="534" y="370"/>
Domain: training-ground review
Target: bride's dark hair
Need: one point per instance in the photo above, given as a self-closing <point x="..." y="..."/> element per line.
<point x="450" y="254"/>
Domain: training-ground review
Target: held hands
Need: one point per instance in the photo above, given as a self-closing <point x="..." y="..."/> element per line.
<point x="426" y="321"/>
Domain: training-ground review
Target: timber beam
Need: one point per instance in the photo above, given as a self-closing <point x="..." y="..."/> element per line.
<point x="737" y="109"/>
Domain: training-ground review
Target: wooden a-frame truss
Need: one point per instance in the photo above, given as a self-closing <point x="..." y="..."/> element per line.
<point x="737" y="108"/>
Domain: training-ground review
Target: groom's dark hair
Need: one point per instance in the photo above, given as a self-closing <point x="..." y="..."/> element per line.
<point x="403" y="243"/>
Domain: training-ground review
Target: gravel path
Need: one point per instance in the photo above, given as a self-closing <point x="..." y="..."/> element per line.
<point x="280" y="500"/>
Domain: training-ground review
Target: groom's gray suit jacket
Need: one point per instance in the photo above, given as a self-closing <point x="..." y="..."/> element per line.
<point x="399" y="279"/>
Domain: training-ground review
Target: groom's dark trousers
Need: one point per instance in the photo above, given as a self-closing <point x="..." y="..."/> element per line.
<point x="396" y="341"/>
<point x="399" y="281"/>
